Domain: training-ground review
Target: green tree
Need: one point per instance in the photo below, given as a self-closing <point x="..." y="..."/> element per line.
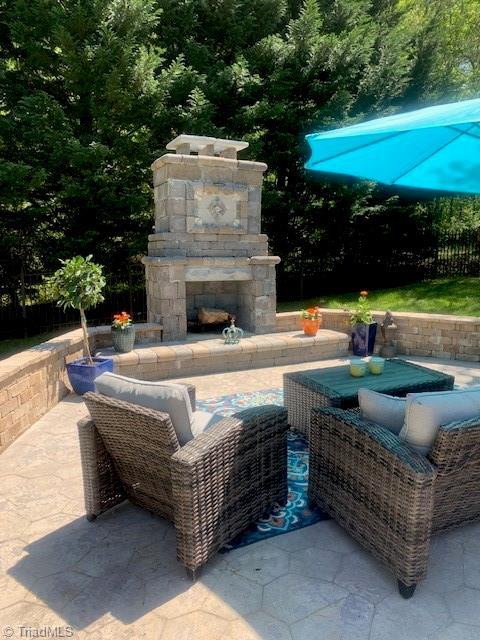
<point x="92" y="90"/>
<point x="80" y="84"/>
<point x="78" y="284"/>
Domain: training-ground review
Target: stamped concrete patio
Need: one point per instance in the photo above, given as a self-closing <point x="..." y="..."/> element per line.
<point x="118" y="578"/>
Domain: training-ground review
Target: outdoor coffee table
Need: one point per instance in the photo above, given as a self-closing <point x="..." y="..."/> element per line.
<point x="335" y="387"/>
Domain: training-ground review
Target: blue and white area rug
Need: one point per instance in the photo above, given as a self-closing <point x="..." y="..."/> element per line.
<point x="296" y="514"/>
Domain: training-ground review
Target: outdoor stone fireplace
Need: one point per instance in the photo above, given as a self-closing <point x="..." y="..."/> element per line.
<point x="208" y="249"/>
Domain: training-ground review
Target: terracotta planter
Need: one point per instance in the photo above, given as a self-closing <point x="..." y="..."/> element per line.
<point x="311" y="327"/>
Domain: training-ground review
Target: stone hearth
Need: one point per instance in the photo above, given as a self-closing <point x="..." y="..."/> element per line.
<point x="208" y="249"/>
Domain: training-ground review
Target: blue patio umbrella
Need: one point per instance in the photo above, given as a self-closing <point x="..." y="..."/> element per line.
<point x="434" y="148"/>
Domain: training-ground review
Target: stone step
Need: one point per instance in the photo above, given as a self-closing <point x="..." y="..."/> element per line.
<point x="206" y="354"/>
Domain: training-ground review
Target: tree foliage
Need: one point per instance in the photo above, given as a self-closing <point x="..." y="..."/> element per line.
<point x="78" y="284"/>
<point x="92" y="90"/>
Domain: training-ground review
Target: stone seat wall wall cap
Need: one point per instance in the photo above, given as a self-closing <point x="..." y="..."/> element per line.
<point x="182" y="351"/>
<point x="231" y="349"/>
<point x="281" y="341"/>
<point x="199" y="350"/>
<point x="54" y="347"/>
<point x="270" y="260"/>
<point x="293" y="341"/>
<point x="140" y="327"/>
<point x="248" y="345"/>
<point x="130" y="358"/>
<point x="163" y="353"/>
<point x="288" y="314"/>
<point x="146" y="356"/>
<point x="264" y="345"/>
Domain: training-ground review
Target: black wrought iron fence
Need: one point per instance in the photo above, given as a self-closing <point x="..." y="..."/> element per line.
<point x="379" y="261"/>
<point x="26" y="310"/>
<point x="339" y="265"/>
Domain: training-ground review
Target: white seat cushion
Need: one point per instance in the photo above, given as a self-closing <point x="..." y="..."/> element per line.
<point x="426" y="412"/>
<point x="203" y="420"/>
<point x="166" y="397"/>
<point x="387" y="411"/>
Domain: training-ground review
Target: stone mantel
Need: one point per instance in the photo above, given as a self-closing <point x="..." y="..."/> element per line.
<point x="217" y="274"/>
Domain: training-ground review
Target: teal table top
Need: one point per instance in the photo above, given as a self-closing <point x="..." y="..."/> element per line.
<point x="398" y="378"/>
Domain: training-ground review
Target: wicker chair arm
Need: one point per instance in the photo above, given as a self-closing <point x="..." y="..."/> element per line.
<point x="226" y="478"/>
<point x="375" y="486"/>
<point x="380" y="436"/>
<point x="457" y="446"/>
<point x="102" y="486"/>
<point x="192" y="393"/>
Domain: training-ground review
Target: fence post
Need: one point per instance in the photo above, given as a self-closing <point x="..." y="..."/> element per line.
<point x="23" y="300"/>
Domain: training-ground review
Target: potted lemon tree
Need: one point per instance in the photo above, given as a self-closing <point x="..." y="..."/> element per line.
<point x="79" y="284"/>
<point x="364" y="330"/>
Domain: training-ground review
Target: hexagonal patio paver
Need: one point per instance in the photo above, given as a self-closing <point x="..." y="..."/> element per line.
<point x="293" y="597"/>
<point x="260" y="562"/>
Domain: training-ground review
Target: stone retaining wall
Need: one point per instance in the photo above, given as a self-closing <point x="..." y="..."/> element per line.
<point x="211" y="355"/>
<point x="419" y="334"/>
<point x="33" y="381"/>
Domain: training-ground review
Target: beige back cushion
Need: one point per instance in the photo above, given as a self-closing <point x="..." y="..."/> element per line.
<point x="387" y="411"/>
<point x="425" y="413"/>
<point x="166" y="397"/>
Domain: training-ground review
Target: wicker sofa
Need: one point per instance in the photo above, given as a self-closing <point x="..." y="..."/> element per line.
<point x="390" y="498"/>
<point x="212" y="488"/>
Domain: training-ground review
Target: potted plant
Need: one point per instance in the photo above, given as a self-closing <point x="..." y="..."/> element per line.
<point x="123" y="332"/>
<point x="311" y="321"/>
<point x="364" y="330"/>
<point x="78" y="284"/>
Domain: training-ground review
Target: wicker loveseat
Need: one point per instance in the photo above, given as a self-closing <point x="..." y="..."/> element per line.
<point x="390" y="498"/>
<point x="212" y="488"/>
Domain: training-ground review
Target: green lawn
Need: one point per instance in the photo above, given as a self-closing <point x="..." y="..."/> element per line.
<point x="14" y="345"/>
<point x="456" y="296"/>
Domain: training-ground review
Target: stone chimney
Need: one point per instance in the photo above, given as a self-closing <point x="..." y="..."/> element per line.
<point x="208" y="249"/>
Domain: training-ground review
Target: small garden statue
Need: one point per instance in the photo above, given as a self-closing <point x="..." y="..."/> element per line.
<point x="387" y="328"/>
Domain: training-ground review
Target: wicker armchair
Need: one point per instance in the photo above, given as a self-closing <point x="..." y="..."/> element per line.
<point x="211" y="489"/>
<point x="388" y="497"/>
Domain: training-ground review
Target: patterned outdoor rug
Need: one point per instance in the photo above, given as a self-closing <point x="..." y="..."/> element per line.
<point x="296" y="514"/>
